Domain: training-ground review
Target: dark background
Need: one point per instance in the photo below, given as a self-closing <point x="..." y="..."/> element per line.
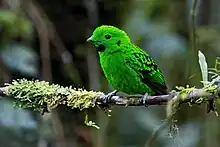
<point x="46" y="40"/>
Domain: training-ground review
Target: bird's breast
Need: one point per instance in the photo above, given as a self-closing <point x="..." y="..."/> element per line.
<point x="120" y="75"/>
<point x="112" y="66"/>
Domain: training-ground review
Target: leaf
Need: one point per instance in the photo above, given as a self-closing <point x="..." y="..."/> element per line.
<point x="203" y="67"/>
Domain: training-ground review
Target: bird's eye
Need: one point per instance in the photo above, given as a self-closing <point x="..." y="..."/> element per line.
<point x="107" y="36"/>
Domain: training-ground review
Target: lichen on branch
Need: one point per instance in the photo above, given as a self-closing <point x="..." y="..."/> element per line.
<point x="41" y="95"/>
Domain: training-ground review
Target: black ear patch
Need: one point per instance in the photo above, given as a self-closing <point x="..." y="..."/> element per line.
<point x="119" y="42"/>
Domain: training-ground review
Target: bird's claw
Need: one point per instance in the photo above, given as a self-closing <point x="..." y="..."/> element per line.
<point x="110" y="95"/>
<point x="144" y="100"/>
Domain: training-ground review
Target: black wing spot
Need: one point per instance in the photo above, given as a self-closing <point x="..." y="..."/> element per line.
<point x="119" y="42"/>
<point x="155" y="67"/>
<point x="149" y="59"/>
<point x="138" y="57"/>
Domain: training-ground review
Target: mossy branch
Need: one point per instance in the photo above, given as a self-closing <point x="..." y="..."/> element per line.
<point x="38" y="95"/>
<point x="42" y="96"/>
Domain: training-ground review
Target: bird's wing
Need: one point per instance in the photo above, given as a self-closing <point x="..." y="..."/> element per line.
<point x="148" y="71"/>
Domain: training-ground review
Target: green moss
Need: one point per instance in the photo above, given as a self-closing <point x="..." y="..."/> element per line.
<point x="38" y="95"/>
<point x="41" y="95"/>
<point x="186" y="90"/>
<point x="81" y="98"/>
<point x="200" y="100"/>
<point x="211" y="89"/>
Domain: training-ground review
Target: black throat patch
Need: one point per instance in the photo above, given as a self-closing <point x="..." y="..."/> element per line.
<point x="101" y="48"/>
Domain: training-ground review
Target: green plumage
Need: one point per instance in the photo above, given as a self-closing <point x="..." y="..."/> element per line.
<point x="128" y="68"/>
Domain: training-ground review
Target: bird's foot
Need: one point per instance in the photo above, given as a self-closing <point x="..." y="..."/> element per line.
<point x="110" y="95"/>
<point x="144" y="99"/>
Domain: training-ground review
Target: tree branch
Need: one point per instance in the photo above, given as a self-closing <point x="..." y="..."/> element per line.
<point x="192" y="97"/>
<point x="2" y="92"/>
<point x="38" y="94"/>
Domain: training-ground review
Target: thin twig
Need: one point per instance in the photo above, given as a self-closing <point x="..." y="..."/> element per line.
<point x="65" y="55"/>
<point x="155" y="134"/>
<point x="92" y="60"/>
<point x="193" y="51"/>
<point x="44" y="41"/>
<point x="193" y="25"/>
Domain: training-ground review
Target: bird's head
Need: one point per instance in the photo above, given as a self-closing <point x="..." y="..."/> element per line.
<point x="108" y="39"/>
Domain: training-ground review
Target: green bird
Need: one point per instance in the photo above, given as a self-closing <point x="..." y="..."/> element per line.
<point x="127" y="68"/>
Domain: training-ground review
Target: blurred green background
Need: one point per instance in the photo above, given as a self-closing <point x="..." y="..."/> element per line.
<point x="46" y="40"/>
